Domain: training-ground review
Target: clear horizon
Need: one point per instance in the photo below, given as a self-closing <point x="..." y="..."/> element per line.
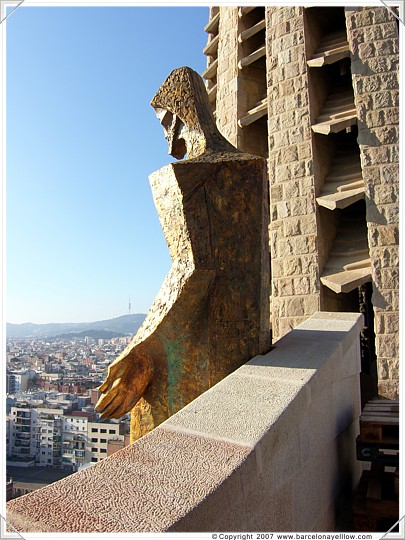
<point x="77" y="322"/>
<point x="82" y="231"/>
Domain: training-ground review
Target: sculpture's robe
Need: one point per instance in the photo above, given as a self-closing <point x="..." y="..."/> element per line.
<point x="211" y="313"/>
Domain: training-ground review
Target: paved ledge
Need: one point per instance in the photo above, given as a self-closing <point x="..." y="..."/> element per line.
<point x="268" y="448"/>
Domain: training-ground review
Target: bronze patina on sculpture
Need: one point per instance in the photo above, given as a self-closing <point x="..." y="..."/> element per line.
<point x="210" y="315"/>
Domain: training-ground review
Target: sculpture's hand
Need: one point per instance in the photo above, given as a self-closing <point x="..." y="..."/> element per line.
<point x="127" y="379"/>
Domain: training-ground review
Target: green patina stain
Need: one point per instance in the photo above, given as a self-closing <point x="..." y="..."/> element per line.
<point x="175" y="364"/>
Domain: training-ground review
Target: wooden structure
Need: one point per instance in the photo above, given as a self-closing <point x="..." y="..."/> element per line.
<point x="376" y="502"/>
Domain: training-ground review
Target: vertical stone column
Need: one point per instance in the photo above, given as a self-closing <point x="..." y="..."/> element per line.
<point x="293" y="220"/>
<point x="227" y="75"/>
<point x="373" y="39"/>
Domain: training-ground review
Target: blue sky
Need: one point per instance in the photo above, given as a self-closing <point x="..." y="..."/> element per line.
<point x="82" y="232"/>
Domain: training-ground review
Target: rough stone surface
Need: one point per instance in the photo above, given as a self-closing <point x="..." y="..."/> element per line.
<point x="144" y="487"/>
<point x="227" y="76"/>
<point x="301" y="235"/>
<point x="373" y="39"/>
<point x="293" y="226"/>
<point x="268" y="398"/>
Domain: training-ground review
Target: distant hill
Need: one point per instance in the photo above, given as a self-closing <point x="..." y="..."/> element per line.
<point x="126" y="325"/>
<point x="95" y="334"/>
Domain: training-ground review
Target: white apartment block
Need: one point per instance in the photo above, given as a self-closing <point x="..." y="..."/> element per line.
<point x="54" y="439"/>
<point x="49" y="439"/>
<point x="76" y="440"/>
<point x="8" y="423"/>
<point x="100" y="433"/>
<point x="22" y="435"/>
<point x="17" y="381"/>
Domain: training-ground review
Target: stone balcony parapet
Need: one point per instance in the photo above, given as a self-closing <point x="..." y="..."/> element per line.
<point x="270" y="447"/>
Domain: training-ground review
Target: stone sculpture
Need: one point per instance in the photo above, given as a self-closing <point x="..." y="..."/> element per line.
<point x="210" y="315"/>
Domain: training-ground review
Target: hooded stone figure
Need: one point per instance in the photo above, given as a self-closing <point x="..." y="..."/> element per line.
<point x="183" y="108"/>
<point x="211" y="313"/>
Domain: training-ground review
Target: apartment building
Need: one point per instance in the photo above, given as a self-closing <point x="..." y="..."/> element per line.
<point x="75" y="451"/>
<point x="49" y="438"/>
<point x="56" y="438"/>
<point x="100" y="435"/>
<point x="114" y="445"/>
<point x="17" y="381"/>
<point x="8" y="421"/>
<point x="23" y="433"/>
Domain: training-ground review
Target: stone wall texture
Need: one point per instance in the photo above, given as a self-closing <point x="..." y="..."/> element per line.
<point x="301" y="233"/>
<point x="293" y="222"/>
<point x="373" y="38"/>
<point x="227" y="74"/>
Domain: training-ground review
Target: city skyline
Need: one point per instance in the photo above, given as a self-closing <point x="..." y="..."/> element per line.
<point x="82" y="232"/>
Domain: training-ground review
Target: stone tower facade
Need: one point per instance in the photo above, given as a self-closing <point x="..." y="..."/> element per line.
<point x="316" y="92"/>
